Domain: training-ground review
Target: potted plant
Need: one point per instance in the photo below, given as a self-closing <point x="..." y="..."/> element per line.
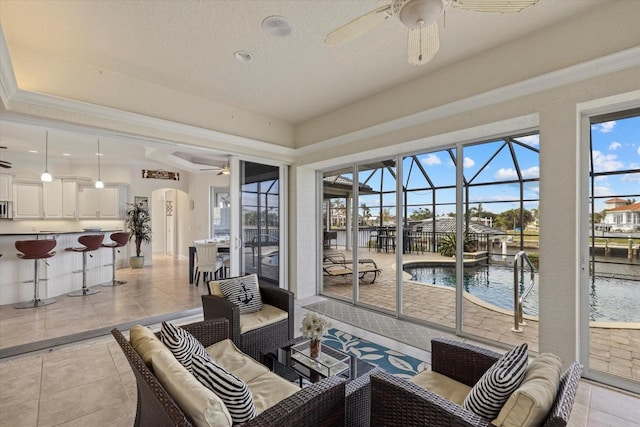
<point x="137" y="222"/>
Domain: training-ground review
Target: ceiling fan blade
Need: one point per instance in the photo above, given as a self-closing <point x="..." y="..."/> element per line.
<point x="5" y="165"/>
<point x="423" y="44"/>
<point x="493" y="6"/>
<point x="358" y="26"/>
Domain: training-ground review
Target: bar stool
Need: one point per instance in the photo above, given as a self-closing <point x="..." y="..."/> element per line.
<point x="91" y="243"/>
<point x="119" y="240"/>
<point x="35" y="250"/>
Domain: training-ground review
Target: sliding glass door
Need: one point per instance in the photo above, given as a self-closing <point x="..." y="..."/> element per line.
<point x="611" y="291"/>
<point x="261" y="233"/>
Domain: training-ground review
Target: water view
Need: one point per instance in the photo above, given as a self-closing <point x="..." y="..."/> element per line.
<point x="612" y="300"/>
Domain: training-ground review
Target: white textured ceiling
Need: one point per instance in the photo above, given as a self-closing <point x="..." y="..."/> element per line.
<point x="188" y="46"/>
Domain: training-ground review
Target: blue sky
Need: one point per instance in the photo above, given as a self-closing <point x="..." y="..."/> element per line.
<point x="616" y="147"/>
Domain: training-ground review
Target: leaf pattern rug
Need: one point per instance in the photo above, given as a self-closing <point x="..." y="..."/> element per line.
<point x="391" y="361"/>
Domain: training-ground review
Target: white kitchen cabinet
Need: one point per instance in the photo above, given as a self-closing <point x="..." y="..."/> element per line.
<point x="104" y="203"/>
<point x="6" y="187"/>
<point x="59" y="198"/>
<point x="27" y="200"/>
<point x="52" y="199"/>
<point x="69" y="199"/>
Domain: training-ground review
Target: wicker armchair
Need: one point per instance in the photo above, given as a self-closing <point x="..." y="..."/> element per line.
<point x="396" y="402"/>
<point x="322" y="404"/>
<point x="254" y="342"/>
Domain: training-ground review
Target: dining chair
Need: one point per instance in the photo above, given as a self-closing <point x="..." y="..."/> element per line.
<point x="207" y="261"/>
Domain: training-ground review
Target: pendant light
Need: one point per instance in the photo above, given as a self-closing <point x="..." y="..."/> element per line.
<point x="99" y="183"/>
<point x="46" y="176"/>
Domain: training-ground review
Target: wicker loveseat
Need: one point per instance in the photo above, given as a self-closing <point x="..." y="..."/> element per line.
<point x="322" y="404"/>
<point x="255" y="341"/>
<point x="397" y="402"/>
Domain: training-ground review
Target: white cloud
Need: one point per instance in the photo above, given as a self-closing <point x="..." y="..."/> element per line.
<point x="606" y="127"/>
<point x="600" y="191"/>
<point x="509" y="173"/>
<point x="533" y="140"/>
<point x="601" y="178"/>
<point x="631" y="177"/>
<point x="468" y="162"/>
<point x="506" y="173"/>
<point x="432" y="160"/>
<point x="532" y="172"/>
<point x="606" y="162"/>
<point x="614" y="146"/>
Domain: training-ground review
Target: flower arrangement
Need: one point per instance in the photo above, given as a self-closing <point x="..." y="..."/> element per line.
<point x="314" y="326"/>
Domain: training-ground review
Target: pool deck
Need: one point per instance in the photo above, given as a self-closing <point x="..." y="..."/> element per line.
<point x="615" y="348"/>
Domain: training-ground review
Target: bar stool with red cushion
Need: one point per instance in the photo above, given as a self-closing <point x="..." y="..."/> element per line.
<point x="91" y="243"/>
<point x="35" y="250"/>
<point x="118" y="240"/>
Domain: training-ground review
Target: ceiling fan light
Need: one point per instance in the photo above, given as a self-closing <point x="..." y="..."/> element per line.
<point x="99" y="184"/>
<point x="417" y="13"/>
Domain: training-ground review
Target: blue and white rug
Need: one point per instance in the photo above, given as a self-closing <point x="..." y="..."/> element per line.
<point x="391" y="361"/>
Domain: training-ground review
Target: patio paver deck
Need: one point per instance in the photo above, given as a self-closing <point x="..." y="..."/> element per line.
<point x="613" y="350"/>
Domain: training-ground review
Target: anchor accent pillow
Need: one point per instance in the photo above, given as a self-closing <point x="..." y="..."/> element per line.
<point x="244" y="292"/>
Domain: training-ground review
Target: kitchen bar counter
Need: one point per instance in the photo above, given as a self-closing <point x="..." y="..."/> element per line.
<point x="58" y="270"/>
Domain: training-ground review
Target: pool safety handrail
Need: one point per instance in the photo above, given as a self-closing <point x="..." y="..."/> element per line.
<point x="518" y="300"/>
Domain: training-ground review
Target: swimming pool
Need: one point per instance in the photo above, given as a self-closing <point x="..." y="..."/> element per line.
<point x="612" y="300"/>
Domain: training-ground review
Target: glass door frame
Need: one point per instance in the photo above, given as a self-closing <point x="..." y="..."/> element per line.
<point x="584" y="240"/>
<point x="235" y="194"/>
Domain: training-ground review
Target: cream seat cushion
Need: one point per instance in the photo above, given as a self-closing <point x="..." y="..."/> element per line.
<point x="251" y="321"/>
<point x="199" y="404"/>
<point x="145" y="343"/>
<point x="532" y="401"/>
<point x="267" y="388"/>
<point x="226" y="354"/>
<point x="442" y="385"/>
<point x="267" y="316"/>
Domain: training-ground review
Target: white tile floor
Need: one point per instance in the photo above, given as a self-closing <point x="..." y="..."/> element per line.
<point x="90" y="383"/>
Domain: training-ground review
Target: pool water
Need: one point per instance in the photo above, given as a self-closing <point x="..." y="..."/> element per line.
<point x="612" y="300"/>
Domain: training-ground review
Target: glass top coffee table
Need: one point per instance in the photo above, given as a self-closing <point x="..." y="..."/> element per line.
<point x="294" y="360"/>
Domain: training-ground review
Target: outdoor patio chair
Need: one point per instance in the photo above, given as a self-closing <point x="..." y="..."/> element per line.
<point x="398" y="402"/>
<point x="245" y="329"/>
<point x="338" y="258"/>
<point x="336" y="265"/>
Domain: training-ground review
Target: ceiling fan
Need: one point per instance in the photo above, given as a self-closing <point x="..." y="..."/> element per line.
<point x="421" y="18"/>
<point x="4" y="163"/>
<point x="224" y="170"/>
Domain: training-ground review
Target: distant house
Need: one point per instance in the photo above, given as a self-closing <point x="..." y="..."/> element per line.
<point x="621" y="216"/>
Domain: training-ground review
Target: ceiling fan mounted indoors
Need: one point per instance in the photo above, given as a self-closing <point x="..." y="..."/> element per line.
<point x="4" y="163"/>
<point x="421" y="19"/>
<point x="224" y="170"/>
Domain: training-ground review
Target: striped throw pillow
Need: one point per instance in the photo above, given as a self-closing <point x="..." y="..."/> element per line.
<point x="490" y="393"/>
<point x="182" y="344"/>
<point x="230" y="389"/>
<point x="244" y="292"/>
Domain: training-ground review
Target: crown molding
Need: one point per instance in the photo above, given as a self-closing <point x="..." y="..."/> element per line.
<point x="10" y="93"/>
<point x="8" y="84"/>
